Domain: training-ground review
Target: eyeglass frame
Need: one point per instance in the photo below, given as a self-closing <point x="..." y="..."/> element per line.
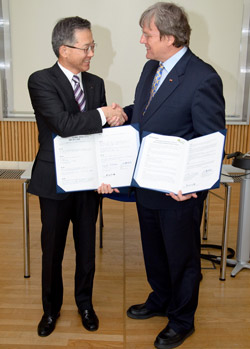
<point x="85" y="50"/>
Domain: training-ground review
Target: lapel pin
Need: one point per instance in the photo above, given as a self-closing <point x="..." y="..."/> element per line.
<point x="170" y="80"/>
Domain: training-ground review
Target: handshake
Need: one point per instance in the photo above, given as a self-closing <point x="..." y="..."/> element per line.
<point x="115" y="115"/>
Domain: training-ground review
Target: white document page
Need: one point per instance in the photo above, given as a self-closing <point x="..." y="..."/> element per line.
<point x="84" y="162"/>
<point x="76" y="165"/>
<point x="203" y="164"/>
<point x="117" y="149"/>
<point x="170" y="164"/>
<point x="159" y="161"/>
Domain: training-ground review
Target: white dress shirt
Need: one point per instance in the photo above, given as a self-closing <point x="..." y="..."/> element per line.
<point x="170" y="63"/>
<point x="69" y="75"/>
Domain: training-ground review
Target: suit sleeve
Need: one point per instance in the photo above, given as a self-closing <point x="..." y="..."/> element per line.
<point x="129" y="111"/>
<point x="208" y="106"/>
<point x="57" y="110"/>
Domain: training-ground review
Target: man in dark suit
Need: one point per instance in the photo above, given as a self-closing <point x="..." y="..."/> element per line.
<point x="61" y="111"/>
<point x="187" y="102"/>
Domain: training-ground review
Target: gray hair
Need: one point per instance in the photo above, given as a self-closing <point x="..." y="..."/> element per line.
<point x="169" y="19"/>
<point x="64" y="31"/>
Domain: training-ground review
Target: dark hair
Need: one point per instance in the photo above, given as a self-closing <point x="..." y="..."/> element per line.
<point x="64" y="31"/>
<point x="169" y="19"/>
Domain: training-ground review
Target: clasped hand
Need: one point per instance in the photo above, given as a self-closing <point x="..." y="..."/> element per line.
<point x="115" y="115"/>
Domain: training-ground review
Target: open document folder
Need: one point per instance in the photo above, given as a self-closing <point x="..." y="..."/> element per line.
<point x="84" y="162"/>
<point x="165" y="163"/>
<point x="170" y="164"/>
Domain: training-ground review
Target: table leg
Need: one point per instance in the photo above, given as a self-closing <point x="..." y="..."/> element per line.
<point x="101" y="221"/>
<point x="205" y="217"/>
<point x="26" y="235"/>
<point x="223" y="263"/>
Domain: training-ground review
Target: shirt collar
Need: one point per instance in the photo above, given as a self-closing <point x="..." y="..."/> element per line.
<point x="68" y="73"/>
<point x="171" y="62"/>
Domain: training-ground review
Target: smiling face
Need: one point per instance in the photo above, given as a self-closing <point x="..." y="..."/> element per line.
<point x="75" y="58"/>
<point x="158" y="48"/>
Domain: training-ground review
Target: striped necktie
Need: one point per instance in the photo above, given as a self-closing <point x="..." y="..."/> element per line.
<point x="155" y="84"/>
<point x="78" y="92"/>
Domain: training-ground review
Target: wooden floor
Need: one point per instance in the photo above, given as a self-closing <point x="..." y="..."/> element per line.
<point x="223" y="315"/>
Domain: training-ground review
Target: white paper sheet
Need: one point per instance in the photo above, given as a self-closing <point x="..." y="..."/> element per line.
<point x="84" y="162"/>
<point x="170" y="164"/>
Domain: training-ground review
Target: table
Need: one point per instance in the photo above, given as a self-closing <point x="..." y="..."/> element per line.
<point x="243" y="236"/>
<point x="242" y="162"/>
<point x="23" y="167"/>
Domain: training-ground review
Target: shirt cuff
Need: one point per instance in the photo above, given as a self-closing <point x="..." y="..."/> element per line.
<point x="103" y="117"/>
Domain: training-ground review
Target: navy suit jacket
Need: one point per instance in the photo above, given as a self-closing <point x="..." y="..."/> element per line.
<point x="188" y="104"/>
<point x="57" y="112"/>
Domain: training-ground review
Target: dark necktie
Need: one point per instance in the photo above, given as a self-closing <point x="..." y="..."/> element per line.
<point x="155" y="84"/>
<point x="78" y="92"/>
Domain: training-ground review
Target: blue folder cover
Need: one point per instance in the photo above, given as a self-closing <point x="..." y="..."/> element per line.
<point x="144" y="134"/>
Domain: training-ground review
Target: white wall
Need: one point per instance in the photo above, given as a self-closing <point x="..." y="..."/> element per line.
<point x="119" y="57"/>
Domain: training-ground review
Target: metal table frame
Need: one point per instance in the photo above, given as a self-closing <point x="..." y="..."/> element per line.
<point x="26" y="226"/>
<point x="227" y="197"/>
<point x="26" y="230"/>
<point x="243" y="235"/>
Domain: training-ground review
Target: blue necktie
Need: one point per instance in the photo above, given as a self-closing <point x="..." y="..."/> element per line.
<point x="155" y="84"/>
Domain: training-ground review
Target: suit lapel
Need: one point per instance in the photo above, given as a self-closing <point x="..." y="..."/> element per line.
<point x="144" y="93"/>
<point x="166" y="89"/>
<point x="65" y="86"/>
<point x="171" y="82"/>
<point x="89" y="90"/>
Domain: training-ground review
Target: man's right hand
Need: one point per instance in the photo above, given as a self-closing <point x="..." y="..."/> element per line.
<point x="115" y="115"/>
<point x="106" y="189"/>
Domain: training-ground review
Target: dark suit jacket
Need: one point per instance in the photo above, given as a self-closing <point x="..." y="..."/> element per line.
<point x="188" y="104"/>
<point x="57" y="112"/>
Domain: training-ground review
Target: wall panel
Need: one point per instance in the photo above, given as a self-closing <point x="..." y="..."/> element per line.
<point x="19" y="140"/>
<point x="238" y="139"/>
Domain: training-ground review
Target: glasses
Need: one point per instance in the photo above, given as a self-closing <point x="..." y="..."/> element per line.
<point x="147" y="36"/>
<point x="85" y="50"/>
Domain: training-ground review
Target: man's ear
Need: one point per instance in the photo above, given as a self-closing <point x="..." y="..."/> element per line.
<point x="63" y="52"/>
<point x="170" y="39"/>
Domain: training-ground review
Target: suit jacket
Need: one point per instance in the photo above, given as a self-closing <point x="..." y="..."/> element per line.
<point x="56" y="111"/>
<point x="188" y="104"/>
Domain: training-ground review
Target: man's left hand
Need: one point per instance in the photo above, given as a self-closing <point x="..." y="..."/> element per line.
<point x="180" y="197"/>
